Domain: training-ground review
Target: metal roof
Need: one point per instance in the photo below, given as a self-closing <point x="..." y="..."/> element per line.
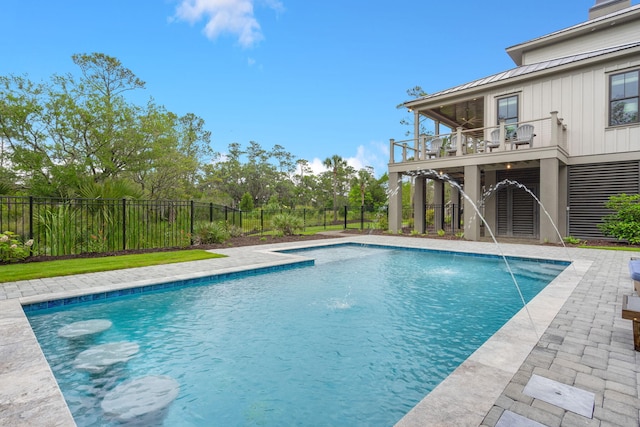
<point x="528" y="69"/>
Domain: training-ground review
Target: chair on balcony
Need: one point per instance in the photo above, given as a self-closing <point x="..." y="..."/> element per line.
<point x="434" y="148"/>
<point x="524" y="135"/>
<point x="494" y="141"/>
<point x="452" y="149"/>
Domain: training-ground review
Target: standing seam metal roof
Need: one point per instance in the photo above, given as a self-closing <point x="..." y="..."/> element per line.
<point x="530" y="68"/>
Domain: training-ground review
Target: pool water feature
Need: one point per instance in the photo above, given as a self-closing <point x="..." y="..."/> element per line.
<point x="359" y="338"/>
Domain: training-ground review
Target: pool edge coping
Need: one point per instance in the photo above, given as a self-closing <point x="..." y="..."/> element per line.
<point x="424" y="409"/>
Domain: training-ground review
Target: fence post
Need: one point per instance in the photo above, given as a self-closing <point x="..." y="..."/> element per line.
<point x="30" y="223"/>
<point x="261" y="221"/>
<point x="193" y="215"/>
<point x="124" y="224"/>
<point x="361" y="218"/>
<point x="226" y="218"/>
<point x="304" y="219"/>
<point x="210" y="212"/>
<point x="345" y="217"/>
<point x="325" y="219"/>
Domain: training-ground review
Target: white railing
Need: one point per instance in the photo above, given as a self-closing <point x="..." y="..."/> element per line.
<point x="548" y="131"/>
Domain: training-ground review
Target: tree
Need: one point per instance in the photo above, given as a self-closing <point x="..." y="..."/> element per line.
<point x="340" y="174"/>
<point x="59" y="132"/>
<point x="361" y="182"/>
<point x="415" y="93"/>
<point x="246" y="204"/>
<point x="251" y="170"/>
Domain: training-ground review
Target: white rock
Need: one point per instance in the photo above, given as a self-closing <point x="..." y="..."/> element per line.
<point x="98" y="358"/>
<point x="85" y="327"/>
<point x="140" y="397"/>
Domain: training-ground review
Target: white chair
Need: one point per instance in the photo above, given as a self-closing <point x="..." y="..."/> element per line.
<point x="452" y="149"/>
<point x="524" y="135"/>
<point x="494" y="141"/>
<point x="434" y="148"/>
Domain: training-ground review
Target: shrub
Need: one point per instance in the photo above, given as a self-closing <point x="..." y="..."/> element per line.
<point x="441" y="232"/>
<point x="234" y="230"/>
<point x="210" y="232"/>
<point x="12" y="249"/>
<point x="381" y="219"/>
<point x="572" y="240"/>
<point x="624" y="223"/>
<point x="287" y="224"/>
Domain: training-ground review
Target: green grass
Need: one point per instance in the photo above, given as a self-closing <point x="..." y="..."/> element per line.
<point x="613" y="248"/>
<point x="44" y="269"/>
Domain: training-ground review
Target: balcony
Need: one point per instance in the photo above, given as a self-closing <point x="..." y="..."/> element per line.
<point x="490" y="142"/>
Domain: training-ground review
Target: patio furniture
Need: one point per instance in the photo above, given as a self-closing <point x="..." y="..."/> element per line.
<point x="634" y="271"/>
<point x="452" y="149"/>
<point x="434" y="148"/>
<point x="631" y="311"/>
<point x="494" y="141"/>
<point x="523" y="135"/>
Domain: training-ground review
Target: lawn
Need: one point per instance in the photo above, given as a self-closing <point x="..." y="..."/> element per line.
<point x="44" y="269"/>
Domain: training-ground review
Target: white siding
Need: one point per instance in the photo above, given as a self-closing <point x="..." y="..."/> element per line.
<point x="613" y="36"/>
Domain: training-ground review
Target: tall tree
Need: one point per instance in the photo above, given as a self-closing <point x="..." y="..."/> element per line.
<point x="338" y="168"/>
<point x="60" y="132"/>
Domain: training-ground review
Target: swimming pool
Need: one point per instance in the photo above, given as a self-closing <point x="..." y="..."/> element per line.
<point x="359" y="338"/>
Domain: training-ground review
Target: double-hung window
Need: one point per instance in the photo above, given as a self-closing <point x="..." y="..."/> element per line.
<point x="508" y="111"/>
<point x="624" y="93"/>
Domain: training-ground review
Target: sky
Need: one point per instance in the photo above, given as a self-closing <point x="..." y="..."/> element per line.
<point x="317" y="77"/>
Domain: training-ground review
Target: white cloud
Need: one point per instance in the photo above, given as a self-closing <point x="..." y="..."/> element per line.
<point x="376" y="155"/>
<point x="233" y="17"/>
<point x="317" y="166"/>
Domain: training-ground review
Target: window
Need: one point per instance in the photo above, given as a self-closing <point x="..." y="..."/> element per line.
<point x="508" y="111"/>
<point x="623" y="98"/>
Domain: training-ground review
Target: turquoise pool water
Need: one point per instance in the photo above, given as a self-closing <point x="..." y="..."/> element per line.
<point x="357" y="339"/>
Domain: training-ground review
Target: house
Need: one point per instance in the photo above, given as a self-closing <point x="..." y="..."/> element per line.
<point x="562" y="126"/>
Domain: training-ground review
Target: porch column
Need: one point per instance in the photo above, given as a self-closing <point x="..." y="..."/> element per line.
<point x="438" y="204"/>
<point x="490" y="203"/>
<point x="550" y="198"/>
<point x="472" y="190"/>
<point x="454" y="199"/>
<point x="395" y="202"/>
<point x="563" y="199"/>
<point x="416" y="132"/>
<point x="418" y="204"/>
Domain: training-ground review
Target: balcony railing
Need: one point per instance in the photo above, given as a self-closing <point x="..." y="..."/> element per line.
<point x="547" y="132"/>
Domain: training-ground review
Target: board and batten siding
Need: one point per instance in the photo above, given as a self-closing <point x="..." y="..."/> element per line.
<point x="580" y="97"/>
<point x="614" y="35"/>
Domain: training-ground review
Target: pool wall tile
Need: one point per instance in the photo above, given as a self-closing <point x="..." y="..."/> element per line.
<point x="210" y="279"/>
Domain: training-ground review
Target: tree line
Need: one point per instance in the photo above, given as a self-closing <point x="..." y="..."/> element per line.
<point x="81" y="135"/>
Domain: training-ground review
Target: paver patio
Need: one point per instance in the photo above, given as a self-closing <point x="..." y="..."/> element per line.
<point x="579" y="339"/>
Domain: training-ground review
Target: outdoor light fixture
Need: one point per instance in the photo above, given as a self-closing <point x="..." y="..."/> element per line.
<point x="508" y="165"/>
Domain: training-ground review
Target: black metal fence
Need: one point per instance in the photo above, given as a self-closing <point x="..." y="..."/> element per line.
<point x="75" y="226"/>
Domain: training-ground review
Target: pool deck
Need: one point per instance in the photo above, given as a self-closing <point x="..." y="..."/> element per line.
<point x="572" y="333"/>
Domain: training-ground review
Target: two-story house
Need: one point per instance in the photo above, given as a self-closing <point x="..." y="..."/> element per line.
<point x="562" y="126"/>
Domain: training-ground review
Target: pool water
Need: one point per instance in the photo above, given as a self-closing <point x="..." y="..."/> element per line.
<point x="357" y="339"/>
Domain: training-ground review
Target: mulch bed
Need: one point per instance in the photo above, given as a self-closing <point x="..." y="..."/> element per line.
<point x="235" y="242"/>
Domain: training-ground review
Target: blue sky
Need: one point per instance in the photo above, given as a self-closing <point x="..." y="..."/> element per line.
<point x="317" y="77"/>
